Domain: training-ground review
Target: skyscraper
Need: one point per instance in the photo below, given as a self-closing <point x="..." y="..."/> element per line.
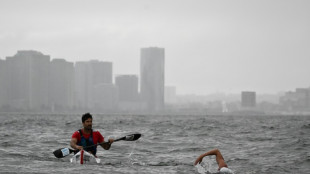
<point x="303" y="98"/>
<point x="83" y="83"/>
<point x="152" y="73"/>
<point x="27" y="78"/>
<point x="61" y="85"/>
<point x="90" y="75"/>
<point x="105" y="97"/>
<point x="248" y="99"/>
<point x="101" y="72"/>
<point x="128" y="87"/>
<point x="2" y="83"/>
<point x="296" y="101"/>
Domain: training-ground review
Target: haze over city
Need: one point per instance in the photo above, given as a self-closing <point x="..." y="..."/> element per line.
<point x="155" y="86"/>
<point x="210" y="46"/>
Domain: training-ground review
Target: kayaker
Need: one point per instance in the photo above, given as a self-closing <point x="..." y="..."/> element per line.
<point x="223" y="168"/>
<point x="86" y="136"/>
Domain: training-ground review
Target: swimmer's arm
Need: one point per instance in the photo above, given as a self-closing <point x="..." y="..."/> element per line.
<point x="215" y="152"/>
<point x="199" y="159"/>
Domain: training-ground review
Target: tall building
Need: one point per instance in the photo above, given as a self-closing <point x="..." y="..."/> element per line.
<point x="27" y="78"/>
<point x="128" y="87"/>
<point x="303" y="98"/>
<point x="2" y="83"/>
<point x="248" y="99"/>
<point x="298" y="100"/>
<point x="152" y="73"/>
<point x="83" y="83"/>
<point x="105" y="97"/>
<point x="101" y="72"/>
<point x="88" y="75"/>
<point x="61" y="85"/>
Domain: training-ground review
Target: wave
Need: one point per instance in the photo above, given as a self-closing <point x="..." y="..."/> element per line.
<point x="306" y="126"/>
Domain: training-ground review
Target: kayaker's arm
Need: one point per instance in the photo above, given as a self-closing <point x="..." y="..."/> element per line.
<point x="74" y="145"/>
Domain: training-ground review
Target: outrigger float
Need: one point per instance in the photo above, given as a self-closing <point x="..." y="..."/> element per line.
<point x="83" y="157"/>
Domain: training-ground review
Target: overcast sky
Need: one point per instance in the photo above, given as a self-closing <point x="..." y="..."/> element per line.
<point x="211" y="46"/>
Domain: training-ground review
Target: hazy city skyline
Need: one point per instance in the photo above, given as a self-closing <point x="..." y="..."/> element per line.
<point x="30" y="81"/>
<point x="211" y="46"/>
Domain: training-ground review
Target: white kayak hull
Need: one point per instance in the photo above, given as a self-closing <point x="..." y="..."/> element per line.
<point x="83" y="157"/>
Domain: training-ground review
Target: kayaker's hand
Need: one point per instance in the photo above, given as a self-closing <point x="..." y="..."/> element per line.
<point x="79" y="147"/>
<point x="111" y="140"/>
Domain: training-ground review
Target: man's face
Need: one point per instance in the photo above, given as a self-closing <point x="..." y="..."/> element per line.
<point x="88" y="124"/>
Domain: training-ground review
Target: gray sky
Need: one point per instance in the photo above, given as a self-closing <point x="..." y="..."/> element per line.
<point x="211" y="46"/>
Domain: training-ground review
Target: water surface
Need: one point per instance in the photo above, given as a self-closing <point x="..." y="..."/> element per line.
<point x="170" y="144"/>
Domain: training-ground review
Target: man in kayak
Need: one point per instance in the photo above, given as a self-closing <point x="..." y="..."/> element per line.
<point x="223" y="168"/>
<point x="86" y="137"/>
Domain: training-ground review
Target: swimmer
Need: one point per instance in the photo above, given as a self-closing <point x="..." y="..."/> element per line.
<point x="223" y="168"/>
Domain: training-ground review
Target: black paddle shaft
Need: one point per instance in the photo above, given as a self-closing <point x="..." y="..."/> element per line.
<point x="132" y="137"/>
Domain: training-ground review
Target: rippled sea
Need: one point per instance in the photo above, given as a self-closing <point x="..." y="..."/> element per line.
<point x="169" y="144"/>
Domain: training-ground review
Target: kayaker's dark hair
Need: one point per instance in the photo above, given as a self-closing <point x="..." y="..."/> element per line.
<point x="86" y="116"/>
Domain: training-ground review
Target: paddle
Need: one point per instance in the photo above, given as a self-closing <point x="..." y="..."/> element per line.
<point x="60" y="153"/>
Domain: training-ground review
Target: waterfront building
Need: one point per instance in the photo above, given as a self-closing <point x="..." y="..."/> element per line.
<point x="128" y="93"/>
<point x="101" y="72"/>
<point x="152" y="73"/>
<point x="248" y="99"/>
<point x="27" y="79"/>
<point x="61" y="93"/>
<point x="105" y="97"/>
<point x="88" y="75"/>
<point x="3" y="83"/>
<point x="303" y="98"/>
<point x="128" y="87"/>
<point x="83" y="83"/>
<point x="298" y="100"/>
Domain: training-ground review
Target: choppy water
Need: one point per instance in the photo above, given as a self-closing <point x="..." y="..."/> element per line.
<point x="170" y="144"/>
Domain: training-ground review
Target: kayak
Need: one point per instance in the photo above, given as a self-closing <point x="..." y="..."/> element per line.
<point x="83" y="157"/>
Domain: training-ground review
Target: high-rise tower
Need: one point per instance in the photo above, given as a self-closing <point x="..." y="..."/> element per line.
<point x="248" y="99"/>
<point x="28" y="83"/>
<point x="152" y="73"/>
<point x="128" y="87"/>
<point x="3" y="87"/>
<point x="88" y="76"/>
<point x="61" y="80"/>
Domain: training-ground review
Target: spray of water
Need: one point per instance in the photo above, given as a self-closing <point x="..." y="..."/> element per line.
<point x="200" y="169"/>
<point x="132" y="151"/>
<point x="131" y="157"/>
<point x="207" y="166"/>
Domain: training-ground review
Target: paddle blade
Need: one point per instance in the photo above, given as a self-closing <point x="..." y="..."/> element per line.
<point x="60" y="153"/>
<point x="132" y="137"/>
